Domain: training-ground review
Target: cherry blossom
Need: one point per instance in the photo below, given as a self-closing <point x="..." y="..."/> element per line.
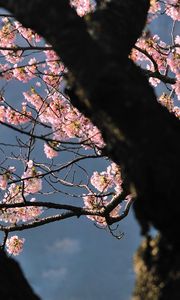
<point x="15" y="117"/>
<point x="33" y="183"/>
<point x="3" y="182"/>
<point x="166" y="101"/>
<point x="93" y="202"/>
<point x="161" y="59"/>
<point x="176" y="111"/>
<point x="2" y="113"/>
<point x="15" y="245"/>
<point x="27" y="33"/>
<point x="173" y="9"/>
<point x="155" y="7"/>
<point x="49" y="151"/>
<point x="13" y="195"/>
<point x="107" y="179"/>
<point x="83" y="6"/>
<point x="5" y="177"/>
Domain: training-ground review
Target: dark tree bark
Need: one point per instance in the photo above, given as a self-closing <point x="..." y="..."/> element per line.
<point x="13" y="285"/>
<point x="141" y="136"/>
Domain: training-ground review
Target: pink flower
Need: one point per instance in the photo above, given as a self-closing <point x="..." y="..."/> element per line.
<point x="4" y="177"/>
<point x="83" y="7"/>
<point x="33" y="211"/>
<point x="33" y="184"/>
<point x="101" y="181"/>
<point x="50" y="152"/>
<point x="154" y="81"/>
<point x="35" y="99"/>
<point x="166" y="101"/>
<point x="91" y="202"/>
<point x="154" y="7"/>
<point x="97" y="204"/>
<point x="27" y="33"/>
<point x="173" y="9"/>
<point x="15" y="215"/>
<point x="176" y="86"/>
<point x="115" y="172"/>
<point x="14" y="245"/>
<point x="108" y="179"/>
<point x="2" y="113"/>
<point x="12" y="56"/>
<point x="51" y="79"/>
<point x="176" y="111"/>
<point x="7" y="35"/>
<point x="3" y="182"/>
<point x="15" y="117"/>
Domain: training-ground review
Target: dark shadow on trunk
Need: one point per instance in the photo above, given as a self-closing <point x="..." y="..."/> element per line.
<point x="13" y="284"/>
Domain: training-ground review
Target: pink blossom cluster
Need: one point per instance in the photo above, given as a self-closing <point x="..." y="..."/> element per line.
<point x="5" y="177"/>
<point x="49" y="151"/>
<point x="7" y="39"/>
<point x="3" y="182"/>
<point x="12" y="56"/>
<point x="104" y="182"/>
<point x="166" y="101"/>
<point x="49" y="71"/>
<point x="7" y="34"/>
<point x="28" y="34"/>
<point x="172" y="8"/>
<point x="15" y="117"/>
<point x="14" y="245"/>
<point x="155" y="7"/>
<point x="14" y="195"/>
<point x="176" y="110"/>
<point x="53" y="62"/>
<point x="107" y="179"/>
<point x="32" y="180"/>
<point x="54" y="69"/>
<point x="156" y="49"/>
<point x="12" y="116"/>
<point x="53" y="109"/>
<point x="95" y="203"/>
<point x="158" y="57"/>
<point x="66" y="121"/>
<point x="83" y="7"/>
<point x="2" y="113"/>
<point x="169" y="7"/>
<point x="25" y="73"/>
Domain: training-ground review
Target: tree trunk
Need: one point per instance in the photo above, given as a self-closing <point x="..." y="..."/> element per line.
<point x="13" y="284"/>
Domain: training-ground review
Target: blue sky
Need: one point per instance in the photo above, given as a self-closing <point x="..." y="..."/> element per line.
<point x="74" y="260"/>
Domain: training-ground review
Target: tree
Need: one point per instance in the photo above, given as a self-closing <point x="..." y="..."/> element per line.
<point x="48" y="116"/>
<point x="129" y="122"/>
<point x="13" y="283"/>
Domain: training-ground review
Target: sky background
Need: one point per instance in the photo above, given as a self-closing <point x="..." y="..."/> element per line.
<point x="74" y="260"/>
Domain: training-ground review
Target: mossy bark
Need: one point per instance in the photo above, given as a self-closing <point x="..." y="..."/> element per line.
<point x="157" y="267"/>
